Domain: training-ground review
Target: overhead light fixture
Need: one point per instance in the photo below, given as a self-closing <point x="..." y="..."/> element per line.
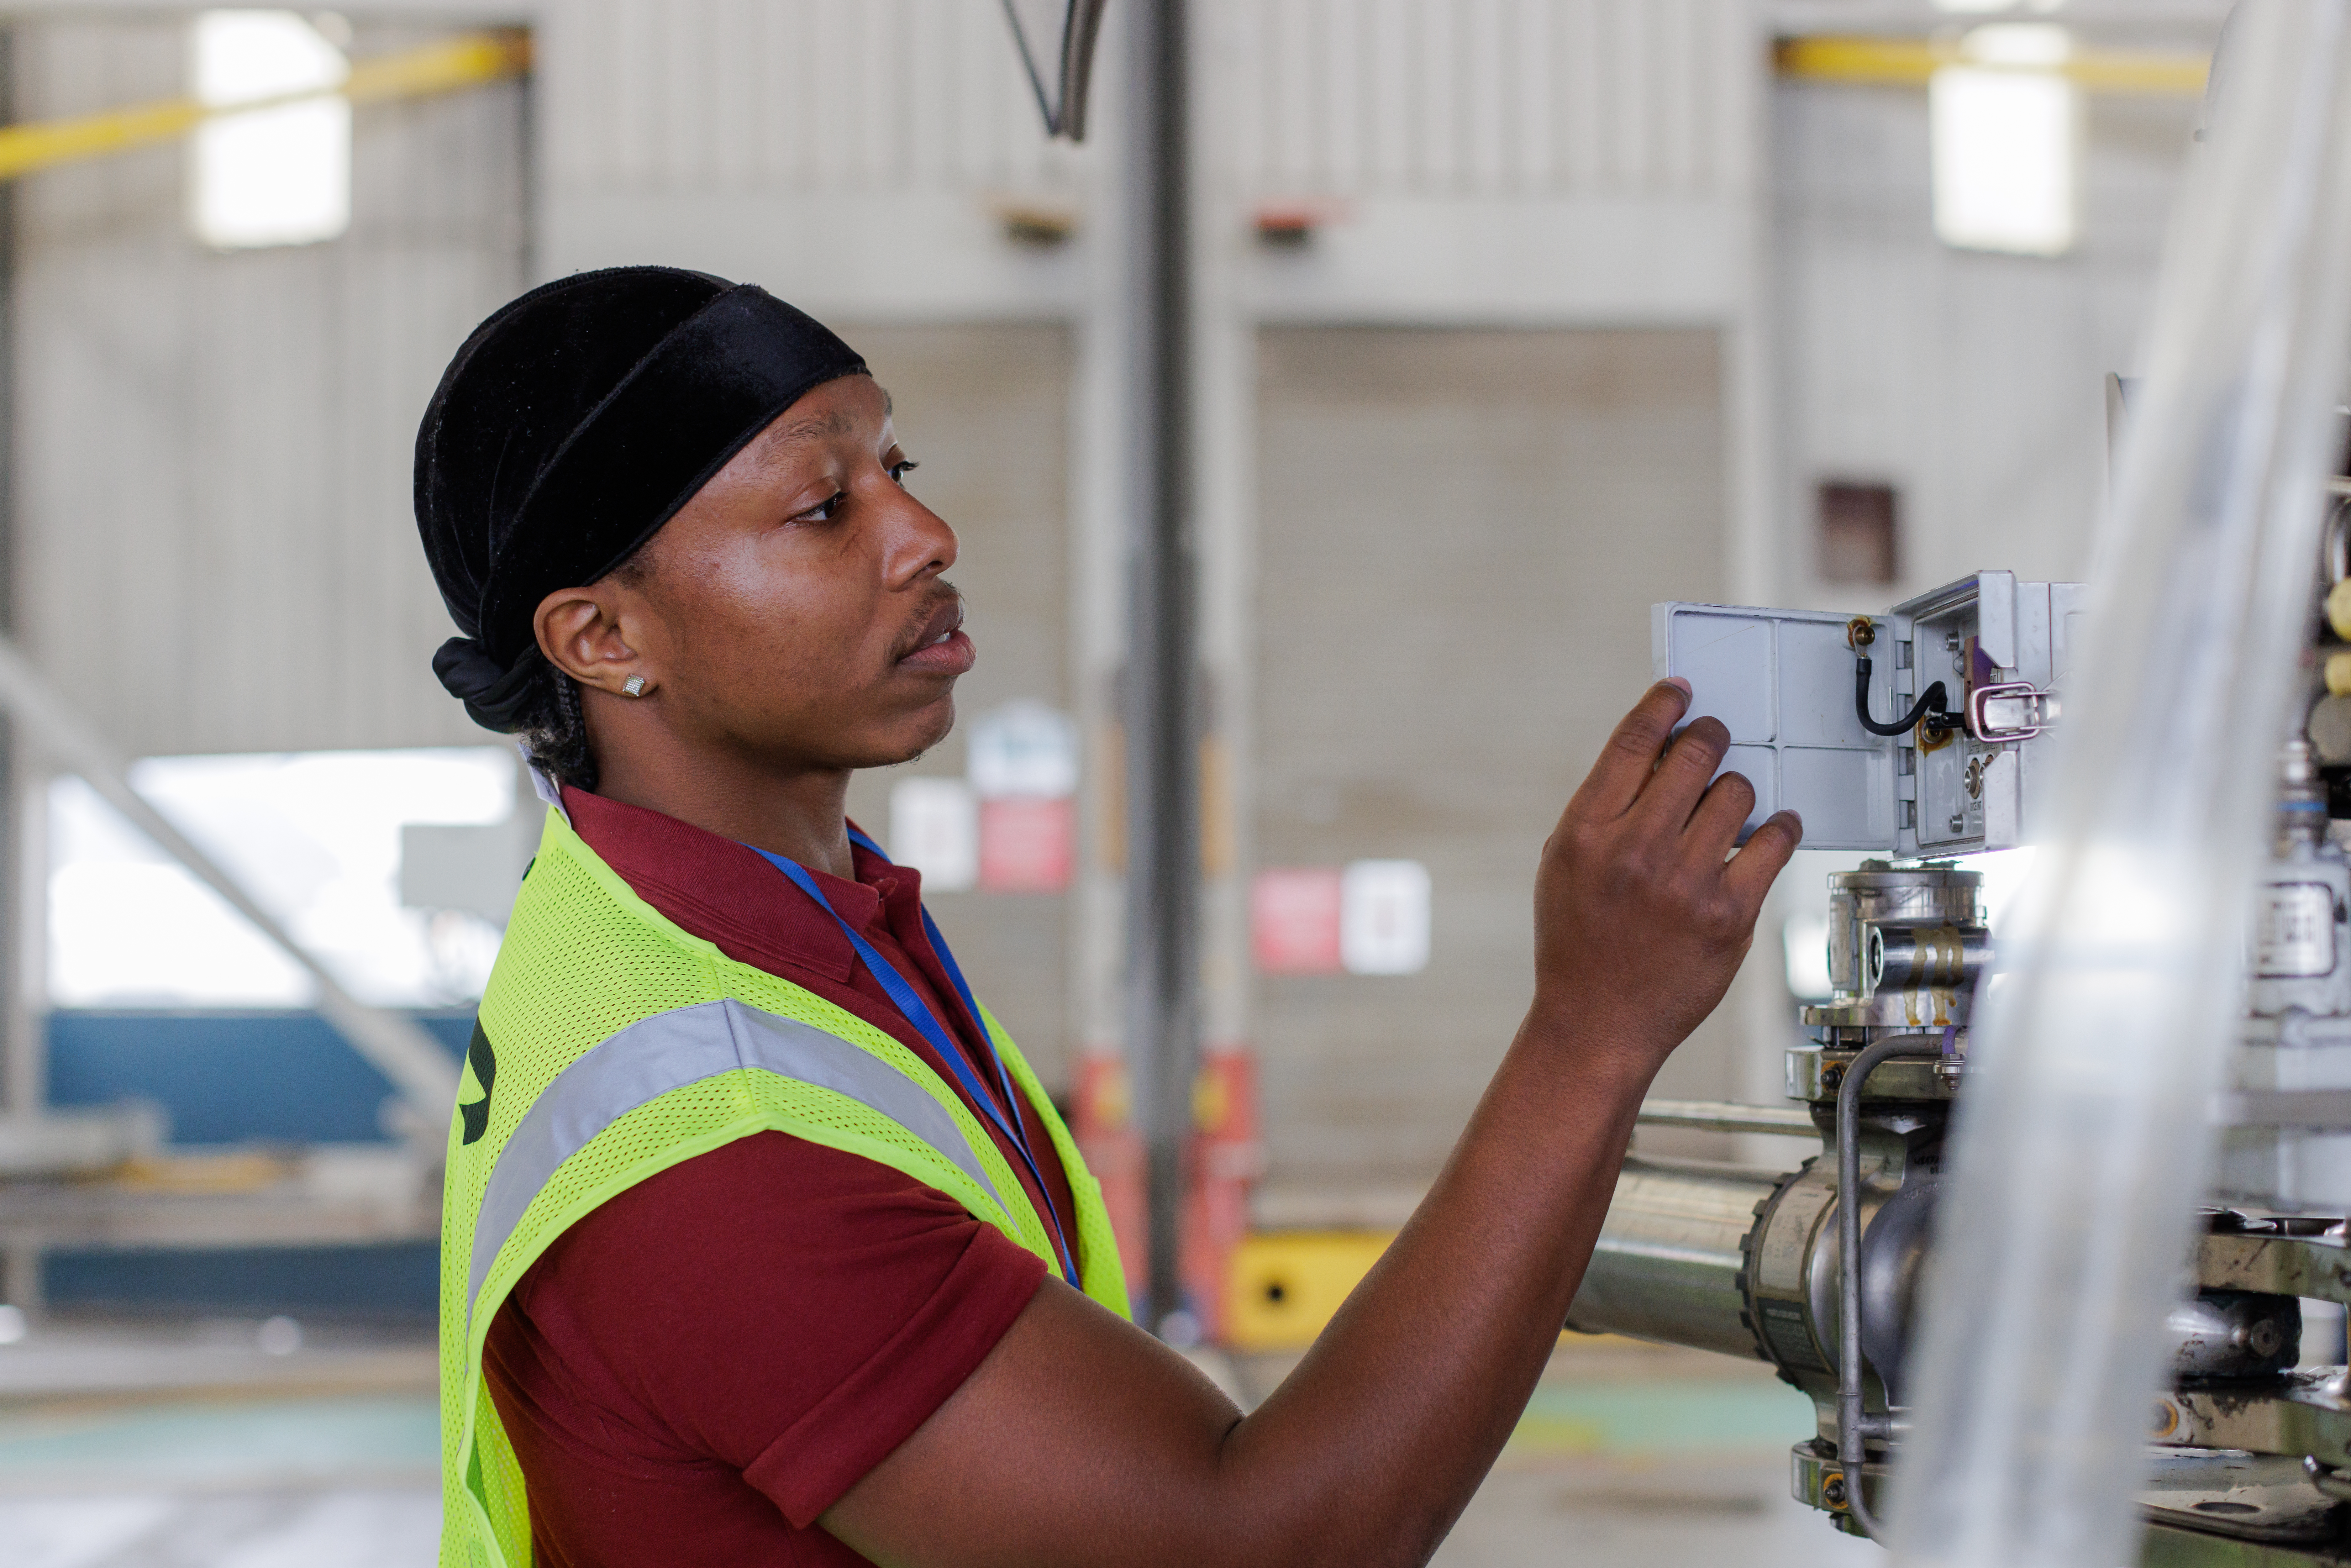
<point x="2006" y="128"/>
<point x="279" y="174"/>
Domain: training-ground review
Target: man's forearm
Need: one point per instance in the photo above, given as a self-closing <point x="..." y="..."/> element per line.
<point x="1369" y="1449"/>
<point x="1429" y="1362"/>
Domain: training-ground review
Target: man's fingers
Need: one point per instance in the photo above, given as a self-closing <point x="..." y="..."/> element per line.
<point x="1688" y="766"/>
<point x="1626" y="761"/>
<point x="1714" y="826"/>
<point x="1762" y="858"/>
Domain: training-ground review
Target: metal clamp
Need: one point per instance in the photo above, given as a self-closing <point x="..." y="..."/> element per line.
<point x="2025" y="710"/>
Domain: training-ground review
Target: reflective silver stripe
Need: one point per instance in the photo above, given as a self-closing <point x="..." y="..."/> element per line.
<point x="670" y="1050"/>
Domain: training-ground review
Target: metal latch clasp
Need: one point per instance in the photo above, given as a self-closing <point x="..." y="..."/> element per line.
<point x="2010" y="711"/>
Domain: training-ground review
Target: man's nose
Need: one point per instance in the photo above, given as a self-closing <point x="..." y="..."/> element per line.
<point x="921" y="541"/>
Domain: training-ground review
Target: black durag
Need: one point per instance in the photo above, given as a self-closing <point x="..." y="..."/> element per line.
<point x="573" y="424"/>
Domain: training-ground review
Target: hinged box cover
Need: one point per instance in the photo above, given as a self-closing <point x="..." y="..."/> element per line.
<point x="1782" y="682"/>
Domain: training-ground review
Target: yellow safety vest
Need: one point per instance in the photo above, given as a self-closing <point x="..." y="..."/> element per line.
<point x="610" y="1045"/>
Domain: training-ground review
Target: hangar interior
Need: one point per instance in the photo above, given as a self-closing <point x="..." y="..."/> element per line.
<point x="1509" y="319"/>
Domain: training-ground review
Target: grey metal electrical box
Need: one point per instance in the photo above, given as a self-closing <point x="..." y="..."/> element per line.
<point x="1782" y="682"/>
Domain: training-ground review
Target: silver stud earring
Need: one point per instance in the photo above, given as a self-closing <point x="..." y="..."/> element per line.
<point x="634" y="685"/>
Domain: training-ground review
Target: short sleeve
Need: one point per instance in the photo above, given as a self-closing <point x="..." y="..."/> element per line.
<point x="785" y="1310"/>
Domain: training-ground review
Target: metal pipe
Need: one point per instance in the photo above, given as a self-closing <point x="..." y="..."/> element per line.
<point x="395" y="1046"/>
<point x="1910" y="957"/>
<point x="1726" y="1117"/>
<point x="1669" y="1262"/>
<point x="2326" y="1480"/>
<point x="1853" y="1424"/>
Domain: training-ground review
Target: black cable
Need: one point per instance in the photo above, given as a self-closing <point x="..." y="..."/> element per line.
<point x="1929" y="706"/>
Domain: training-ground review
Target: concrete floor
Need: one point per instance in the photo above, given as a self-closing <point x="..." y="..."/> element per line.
<point x="189" y="1448"/>
<point x="190" y="1445"/>
<point x="1633" y="1456"/>
<point x="1596" y="1514"/>
<point x="376" y="1528"/>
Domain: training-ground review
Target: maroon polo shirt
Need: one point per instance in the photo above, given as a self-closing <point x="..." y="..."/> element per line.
<point x="696" y="1370"/>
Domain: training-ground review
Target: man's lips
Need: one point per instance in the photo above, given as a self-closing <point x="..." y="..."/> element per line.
<point x="952" y="655"/>
<point x="941" y="648"/>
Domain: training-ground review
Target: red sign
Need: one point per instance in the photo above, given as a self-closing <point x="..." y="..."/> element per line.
<point x="1027" y="845"/>
<point x="1294" y="920"/>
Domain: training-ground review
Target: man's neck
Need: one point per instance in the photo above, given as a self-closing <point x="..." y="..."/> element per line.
<point x="801" y="815"/>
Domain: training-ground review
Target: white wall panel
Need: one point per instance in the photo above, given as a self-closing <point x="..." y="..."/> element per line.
<point x="722" y="133"/>
<point x="1972" y="382"/>
<point x="1501" y="98"/>
<point x="1462" y="533"/>
<point x="779" y="95"/>
<point x="852" y="156"/>
<point x="212" y="495"/>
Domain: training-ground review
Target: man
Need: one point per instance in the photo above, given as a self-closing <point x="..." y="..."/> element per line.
<point x="762" y="1244"/>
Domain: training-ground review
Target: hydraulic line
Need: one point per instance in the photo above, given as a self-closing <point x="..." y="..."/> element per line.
<point x="1929" y="706"/>
<point x="1856" y="1425"/>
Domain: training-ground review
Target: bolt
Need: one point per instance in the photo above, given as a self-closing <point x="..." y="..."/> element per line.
<point x="1859" y="633"/>
<point x="1832" y="1075"/>
<point x="1832" y="1491"/>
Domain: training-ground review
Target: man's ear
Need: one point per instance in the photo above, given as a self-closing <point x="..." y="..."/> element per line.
<point x="579" y="631"/>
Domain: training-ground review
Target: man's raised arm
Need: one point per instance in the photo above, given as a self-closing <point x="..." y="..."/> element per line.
<point x="1082" y="1442"/>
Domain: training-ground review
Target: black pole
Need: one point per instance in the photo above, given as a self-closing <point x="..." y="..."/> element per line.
<point x="1162" y="782"/>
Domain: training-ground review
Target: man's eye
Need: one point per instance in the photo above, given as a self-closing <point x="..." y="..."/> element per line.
<point x="823" y="510"/>
<point x="903" y="466"/>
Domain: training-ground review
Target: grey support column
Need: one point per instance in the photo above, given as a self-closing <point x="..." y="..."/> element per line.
<point x="1159" y="694"/>
<point x="23" y="786"/>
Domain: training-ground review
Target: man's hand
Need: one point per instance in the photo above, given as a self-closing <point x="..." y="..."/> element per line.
<point x="1082" y="1443"/>
<point x="1642" y="911"/>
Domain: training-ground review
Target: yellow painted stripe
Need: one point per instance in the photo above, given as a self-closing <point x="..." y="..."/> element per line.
<point x="469" y="61"/>
<point x="1911" y="62"/>
<point x="1884" y="62"/>
<point x="41" y="145"/>
<point x="2153" y="76"/>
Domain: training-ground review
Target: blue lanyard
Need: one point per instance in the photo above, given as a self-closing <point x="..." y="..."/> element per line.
<point x="917" y="1012"/>
<point x="1018" y="1130"/>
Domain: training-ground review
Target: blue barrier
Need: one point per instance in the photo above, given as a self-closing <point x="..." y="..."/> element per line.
<point x="265" y="1076"/>
<point x="278" y="1076"/>
<point x="395" y="1281"/>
